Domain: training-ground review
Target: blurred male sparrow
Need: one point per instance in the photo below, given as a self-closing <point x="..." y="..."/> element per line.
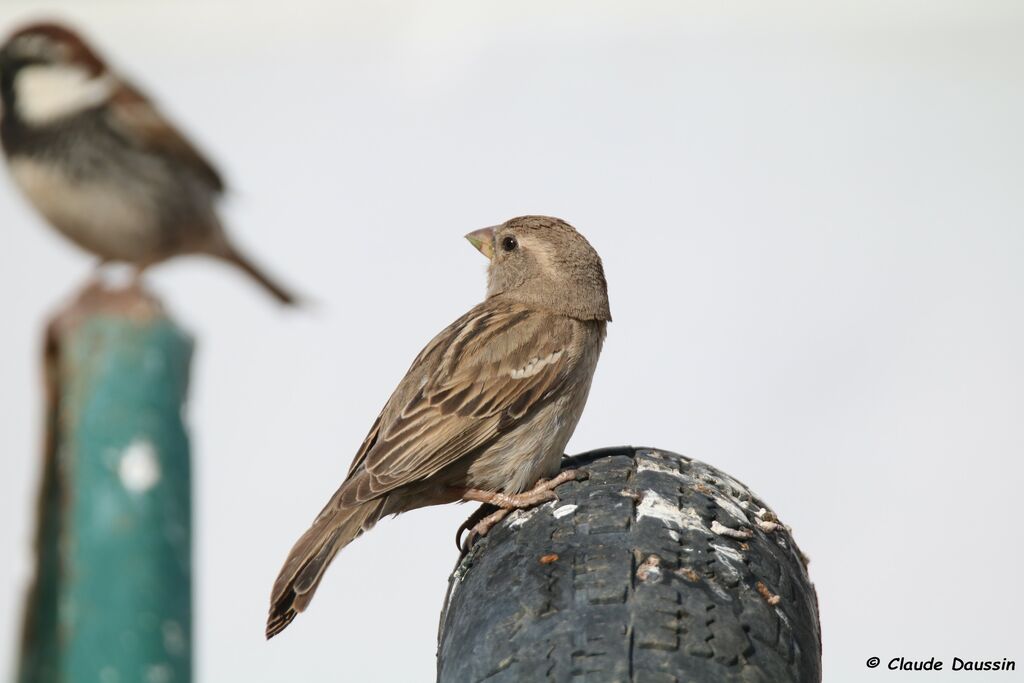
<point x="486" y="409"/>
<point x="100" y="163"/>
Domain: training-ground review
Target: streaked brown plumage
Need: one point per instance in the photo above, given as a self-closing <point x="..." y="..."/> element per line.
<point x="487" y="406"/>
<point x="100" y="162"/>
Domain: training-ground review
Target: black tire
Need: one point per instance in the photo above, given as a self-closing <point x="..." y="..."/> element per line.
<point x="666" y="570"/>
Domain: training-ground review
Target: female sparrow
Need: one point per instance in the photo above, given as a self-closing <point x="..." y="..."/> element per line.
<point x="487" y="407"/>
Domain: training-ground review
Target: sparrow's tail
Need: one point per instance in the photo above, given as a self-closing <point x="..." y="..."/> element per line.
<point x="308" y="559"/>
<point x="232" y="256"/>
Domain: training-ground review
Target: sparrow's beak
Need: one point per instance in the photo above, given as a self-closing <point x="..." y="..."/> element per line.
<point x="483" y="239"/>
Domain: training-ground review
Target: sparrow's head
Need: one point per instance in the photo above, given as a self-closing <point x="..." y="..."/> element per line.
<point x="543" y="262"/>
<point x="48" y="72"/>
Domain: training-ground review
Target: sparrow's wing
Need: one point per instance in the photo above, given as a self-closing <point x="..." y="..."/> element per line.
<point x="134" y="116"/>
<point x="473" y="382"/>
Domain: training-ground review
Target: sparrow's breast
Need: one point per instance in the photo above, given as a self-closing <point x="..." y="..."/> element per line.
<point x="534" y="448"/>
<point x="113" y="198"/>
<point x="97" y="215"/>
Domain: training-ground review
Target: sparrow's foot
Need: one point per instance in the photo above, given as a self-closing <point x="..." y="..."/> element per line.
<point x="481" y="521"/>
<point x="541" y="493"/>
<point x="479" y="514"/>
<point x="481" y="527"/>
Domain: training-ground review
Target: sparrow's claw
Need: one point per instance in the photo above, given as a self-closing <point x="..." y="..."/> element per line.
<point x="478" y="514"/>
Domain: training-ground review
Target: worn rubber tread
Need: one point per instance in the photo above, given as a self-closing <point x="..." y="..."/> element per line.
<point x="633" y="585"/>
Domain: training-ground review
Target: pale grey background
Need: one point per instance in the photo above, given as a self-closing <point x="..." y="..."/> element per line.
<point x="812" y="223"/>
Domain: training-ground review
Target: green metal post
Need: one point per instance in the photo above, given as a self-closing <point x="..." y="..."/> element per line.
<point x="111" y="601"/>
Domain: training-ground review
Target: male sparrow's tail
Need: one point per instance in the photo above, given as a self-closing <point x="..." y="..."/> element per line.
<point x="231" y="255"/>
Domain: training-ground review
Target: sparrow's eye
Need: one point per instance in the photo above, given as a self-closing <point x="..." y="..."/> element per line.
<point x="509" y="243"/>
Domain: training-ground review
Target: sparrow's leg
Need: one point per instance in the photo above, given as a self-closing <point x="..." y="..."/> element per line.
<point x="481" y="521"/>
<point x="484" y="525"/>
<point x="137" y="284"/>
<point x="480" y="529"/>
<point x="137" y="272"/>
<point x="541" y="493"/>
